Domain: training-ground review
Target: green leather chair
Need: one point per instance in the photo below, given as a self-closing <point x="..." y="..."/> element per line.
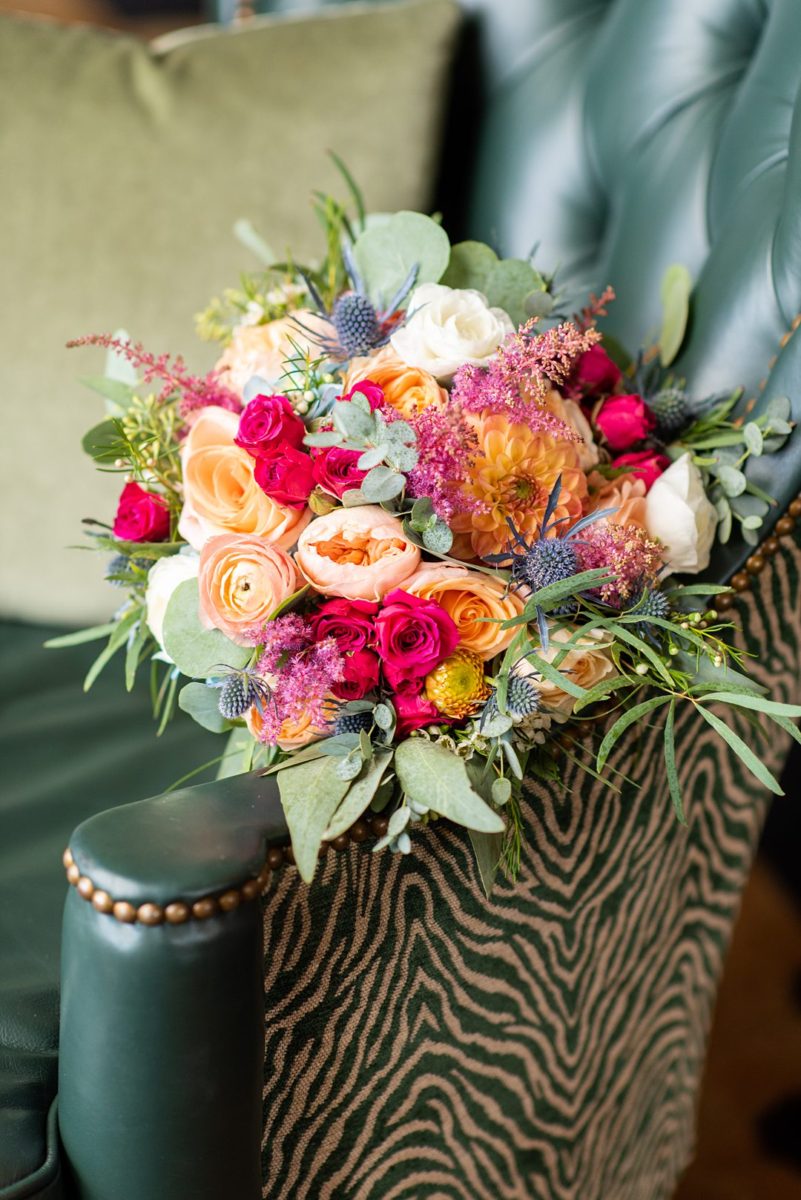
<point x="388" y="1032"/>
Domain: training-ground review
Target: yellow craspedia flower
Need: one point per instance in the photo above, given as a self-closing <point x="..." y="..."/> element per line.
<point x="457" y="687"/>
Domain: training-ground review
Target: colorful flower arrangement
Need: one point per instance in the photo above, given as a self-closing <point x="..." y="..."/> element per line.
<point x="418" y="524"/>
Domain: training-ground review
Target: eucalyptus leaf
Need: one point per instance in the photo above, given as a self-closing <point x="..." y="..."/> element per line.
<point x="310" y="795"/>
<point x="510" y="282"/>
<point x="675" y="294"/>
<point x="470" y="265"/>
<point x="501" y="791"/>
<point x="487" y="848"/>
<point x="386" y="253"/>
<point x="348" y="768"/>
<point x="103" y="442"/>
<point x="372" y="458"/>
<point x="382" y="483"/>
<point x="383" y="716"/>
<point x="732" y="480"/>
<point x="238" y="755"/>
<point x="352" y="421"/>
<point x="197" y="652"/>
<point x="433" y="776"/>
<point x="752" y="435"/>
<point x="361" y="792"/>
<point x="778" y="407"/>
<point x="438" y="538"/>
<point x="117" y="394"/>
<point x="723" y="509"/>
<point x="202" y="705"/>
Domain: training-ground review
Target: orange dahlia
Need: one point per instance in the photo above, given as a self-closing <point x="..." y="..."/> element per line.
<point x="512" y="478"/>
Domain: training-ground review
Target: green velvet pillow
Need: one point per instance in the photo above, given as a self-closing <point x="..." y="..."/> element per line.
<point x="123" y="168"/>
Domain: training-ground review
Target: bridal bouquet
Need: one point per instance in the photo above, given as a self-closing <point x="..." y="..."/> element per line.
<point x="416" y="526"/>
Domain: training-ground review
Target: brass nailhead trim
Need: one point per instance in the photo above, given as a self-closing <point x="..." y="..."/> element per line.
<point x="178" y="912"/>
<point x="755" y="564"/>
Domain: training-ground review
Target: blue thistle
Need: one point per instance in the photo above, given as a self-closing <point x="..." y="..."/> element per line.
<point x="353" y="722"/>
<point x="651" y="603"/>
<point x="356" y="323"/>
<point x="522" y="699"/>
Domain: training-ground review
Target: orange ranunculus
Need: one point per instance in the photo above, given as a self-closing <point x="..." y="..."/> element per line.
<point x="406" y="389"/>
<point x="262" y="349"/>
<point x="242" y="580"/>
<point x="360" y="553"/>
<point x="512" y="477"/>
<point x="220" y="492"/>
<point x="626" y="494"/>
<point x="476" y="603"/>
<point x="293" y="733"/>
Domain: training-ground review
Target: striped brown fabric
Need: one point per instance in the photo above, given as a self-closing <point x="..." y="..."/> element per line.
<point x="425" y="1043"/>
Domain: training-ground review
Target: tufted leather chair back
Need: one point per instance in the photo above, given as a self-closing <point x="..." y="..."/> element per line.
<point x="626" y="135"/>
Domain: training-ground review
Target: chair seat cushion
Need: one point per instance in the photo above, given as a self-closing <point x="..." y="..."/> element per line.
<point x="65" y="756"/>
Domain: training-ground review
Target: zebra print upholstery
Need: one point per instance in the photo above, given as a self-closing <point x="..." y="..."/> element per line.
<point x="425" y="1043"/>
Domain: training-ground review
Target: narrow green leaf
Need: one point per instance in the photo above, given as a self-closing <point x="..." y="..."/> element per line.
<point x="605" y="688"/>
<point x="622" y="724"/>
<point x="80" y="636"/>
<point x="670" y="764"/>
<point x="554" y="675"/>
<point x="637" y="643"/>
<point x="743" y="751"/>
<point x="675" y="294"/>
<point x="487" y="848"/>
<point x="788" y="727"/>
<point x="757" y="703"/>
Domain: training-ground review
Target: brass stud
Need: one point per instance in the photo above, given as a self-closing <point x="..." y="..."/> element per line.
<point x="205" y="908"/>
<point x="263" y="877"/>
<point x="289" y="855"/>
<point x="251" y="889"/>
<point x="740" y="582"/>
<point x="150" y="914"/>
<point x="358" y="831"/>
<point x="102" y="901"/>
<point x="177" y="912"/>
<point x="73" y="874"/>
<point x="785" y="526"/>
<point x="230" y="900"/>
<point x="85" y="887"/>
<point x="724" y="601"/>
<point x="124" y="912"/>
<point x="275" y="858"/>
<point x="340" y="843"/>
<point x="794" y="507"/>
<point x="770" y="546"/>
<point x="755" y="564"/>
<point x="67" y="858"/>
<point x="380" y="826"/>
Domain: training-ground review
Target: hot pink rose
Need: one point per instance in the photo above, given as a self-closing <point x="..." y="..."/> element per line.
<point x="348" y="622"/>
<point x="646" y="464"/>
<point x="414" y="710"/>
<point x="624" y="420"/>
<point x="414" y="636"/>
<point x="286" y="476"/>
<point x="594" y="373"/>
<point x="141" y="516"/>
<point x="336" y="472"/>
<point x="360" y="675"/>
<point x="266" y="423"/>
<point x="371" y="390"/>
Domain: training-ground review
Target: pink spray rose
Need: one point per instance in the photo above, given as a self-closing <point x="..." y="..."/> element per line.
<point x="414" y="636"/>
<point x="595" y="374"/>
<point x="141" y="516"/>
<point x="348" y="622"/>
<point x="372" y="391"/>
<point x="414" y="710"/>
<point x="360" y="672"/>
<point x="624" y="420"/>
<point x="335" y="470"/>
<point x="266" y="423"/>
<point x="285" y="475"/>
<point x="648" y="465"/>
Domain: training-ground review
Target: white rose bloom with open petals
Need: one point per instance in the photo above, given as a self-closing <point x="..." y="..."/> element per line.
<point x="679" y="513"/>
<point x="448" y="327"/>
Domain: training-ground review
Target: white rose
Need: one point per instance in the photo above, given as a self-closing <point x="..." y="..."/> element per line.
<point x="162" y="580"/>
<point x="678" y="512"/>
<point x="448" y="327"/>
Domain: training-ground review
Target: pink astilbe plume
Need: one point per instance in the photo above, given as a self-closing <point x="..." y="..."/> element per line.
<point x="526" y="368"/>
<point x="196" y="391"/>
<point x="597" y="307"/>
<point x="447" y="447"/>
<point x="627" y="552"/>
<point x="300" y="673"/>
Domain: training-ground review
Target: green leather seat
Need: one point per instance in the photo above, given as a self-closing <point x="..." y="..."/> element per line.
<point x="620" y="135"/>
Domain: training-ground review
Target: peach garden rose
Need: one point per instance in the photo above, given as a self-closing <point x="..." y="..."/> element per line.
<point x="409" y="390"/>
<point x="262" y="349"/>
<point x="360" y="553"/>
<point x="476" y="603"/>
<point x="221" y="494"/>
<point x="242" y="580"/>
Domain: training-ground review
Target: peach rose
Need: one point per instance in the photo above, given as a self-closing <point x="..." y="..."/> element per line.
<point x="626" y="493"/>
<point x="572" y="415"/>
<point x="262" y="349"/>
<point x="293" y="733"/>
<point x="588" y="663"/>
<point x="220" y="492"/>
<point x="242" y="580"/>
<point x="406" y="389"/>
<point x="360" y="553"/>
<point x="476" y="603"/>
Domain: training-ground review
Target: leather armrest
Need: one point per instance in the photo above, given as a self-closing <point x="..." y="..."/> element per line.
<point x="162" y="1027"/>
